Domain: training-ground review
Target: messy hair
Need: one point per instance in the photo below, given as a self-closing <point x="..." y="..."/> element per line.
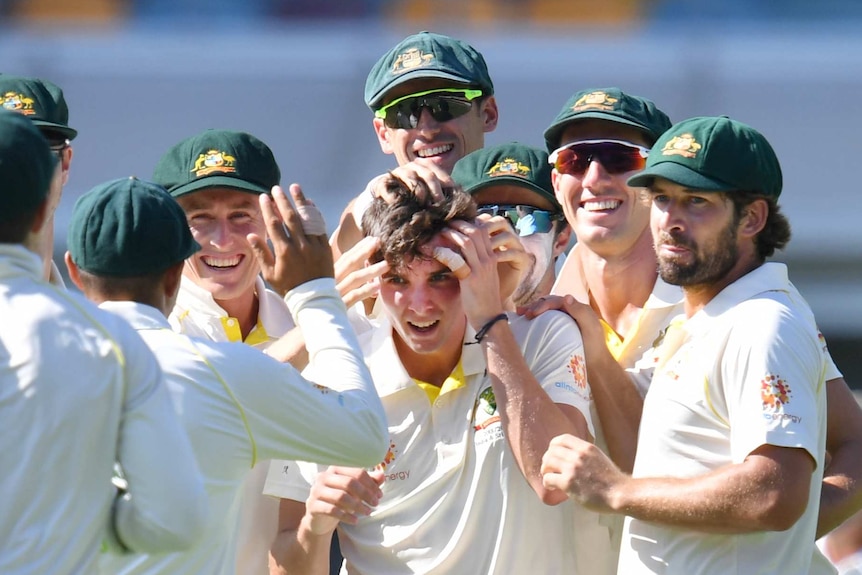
<point x="775" y="233"/>
<point x="412" y="219"/>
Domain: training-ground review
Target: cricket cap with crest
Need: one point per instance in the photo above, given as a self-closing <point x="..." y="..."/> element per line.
<point x="713" y="154"/>
<point x="427" y="55"/>
<point x="613" y="105"/>
<point x="218" y="159"/>
<point x="511" y="163"/>
<point x="40" y="100"/>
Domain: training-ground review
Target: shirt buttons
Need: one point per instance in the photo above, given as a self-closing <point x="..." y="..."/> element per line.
<point x="230" y="322"/>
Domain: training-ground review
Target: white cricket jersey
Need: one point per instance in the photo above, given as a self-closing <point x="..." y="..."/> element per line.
<point x="454" y="499"/>
<point x="745" y="371"/>
<point x="197" y="314"/>
<point x="79" y="391"/>
<point x="238" y="404"/>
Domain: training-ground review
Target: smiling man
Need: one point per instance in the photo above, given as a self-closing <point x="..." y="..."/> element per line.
<point x="433" y="102"/>
<point x="217" y="176"/>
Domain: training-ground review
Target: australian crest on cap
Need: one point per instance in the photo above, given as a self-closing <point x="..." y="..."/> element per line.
<point x="18" y="102"/>
<point x="595" y="100"/>
<point x="683" y="145"/>
<point x="412" y="58"/>
<point x="214" y="161"/>
<point x="509" y="167"/>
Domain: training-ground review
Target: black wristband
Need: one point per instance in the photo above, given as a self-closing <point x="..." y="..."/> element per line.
<point x="480" y="335"/>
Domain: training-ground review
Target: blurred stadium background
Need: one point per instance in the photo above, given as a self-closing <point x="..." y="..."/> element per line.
<point x="140" y="75"/>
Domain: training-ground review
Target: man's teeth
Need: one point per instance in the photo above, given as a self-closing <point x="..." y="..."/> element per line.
<point x="222" y="262"/>
<point x="597" y="206"/>
<point x="423" y="324"/>
<point x="435" y="151"/>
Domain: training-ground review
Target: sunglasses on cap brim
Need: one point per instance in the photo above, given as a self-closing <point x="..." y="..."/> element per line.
<point x="615" y="156"/>
<point x="443" y="104"/>
<point x="526" y="220"/>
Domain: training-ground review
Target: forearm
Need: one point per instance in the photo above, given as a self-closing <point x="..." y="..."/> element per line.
<point x="300" y="552"/>
<point x="760" y="494"/>
<point x="618" y="403"/>
<point x="290" y="348"/>
<point x="841" y="495"/>
<point x="529" y="417"/>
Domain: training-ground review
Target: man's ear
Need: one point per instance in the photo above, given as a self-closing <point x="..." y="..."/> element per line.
<point x="490" y="114"/>
<point x="171" y="280"/>
<point x="74" y="273"/>
<point x="754" y="218"/>
<point x="561" y="242"/>
<point x="383" y="135"/>
<point x="66" y="162"/>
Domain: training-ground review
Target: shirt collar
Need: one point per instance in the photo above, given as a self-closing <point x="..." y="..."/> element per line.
<point x="16" y="260"/>
<point x="140" y="316"/>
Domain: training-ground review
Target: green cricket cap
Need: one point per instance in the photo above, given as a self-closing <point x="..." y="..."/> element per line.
<point x="715" y="154"/>
<point x="511" y="163"/>
<point x="128" y="228"/>
<point x="218" y="159"/>
<point x="613" y="105"/>
<point x="427" y="55"/>
<point x="26" y="166"/>
<point x="39" y="100"/>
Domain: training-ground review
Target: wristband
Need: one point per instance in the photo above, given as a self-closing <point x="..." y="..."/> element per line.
<point x="480" y="335"/>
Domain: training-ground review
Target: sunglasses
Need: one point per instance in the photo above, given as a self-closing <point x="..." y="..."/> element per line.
<point x="58" y="147"/>
<point x="443" y="105"/>
<point x="615" y="156"/>
<point x="526" y="220"/>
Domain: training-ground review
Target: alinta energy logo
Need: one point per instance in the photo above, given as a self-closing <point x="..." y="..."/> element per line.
<point x="577" y="367"/>
<point x="388" y="458"/>
<point x="775" y="392"/>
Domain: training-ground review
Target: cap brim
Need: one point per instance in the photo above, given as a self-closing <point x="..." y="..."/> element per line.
<point x="502" y="180"/>
<point x="218" y="182"/>
<point x="678" y="174"/>
<point x="555" y="131"/>
<point x="65" y="131"/>
<point x="374" y="104"/>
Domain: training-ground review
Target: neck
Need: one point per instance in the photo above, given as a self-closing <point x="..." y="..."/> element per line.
<point x="433" y="367"/>
<point x="244" y="308"/>
<point x="620" y="284"/>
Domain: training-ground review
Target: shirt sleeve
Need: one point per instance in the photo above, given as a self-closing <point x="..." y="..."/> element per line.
<point x="772" y="374"/>
<point x="290" y="479"/>
<point x="554" y="351"/>
<point x="165" y="506"/>
<point x="332" y="416"/>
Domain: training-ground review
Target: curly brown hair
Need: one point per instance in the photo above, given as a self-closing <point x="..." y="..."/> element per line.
<point x="413" y="219"/>
<point x="776" y="231"/>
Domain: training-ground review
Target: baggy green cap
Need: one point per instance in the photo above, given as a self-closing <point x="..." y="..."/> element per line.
<point x="128" y="228"/>
<point x="26" y="166"/>
<point x="713" y="153"/>
<point x="40" y="100"/>
<point x="511" y="163"/>
<point x="218" y="159"/>
<point x="613" y="105"/>
<point x="427" y="55"/>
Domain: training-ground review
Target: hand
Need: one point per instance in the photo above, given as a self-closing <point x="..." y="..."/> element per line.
<point x="513" y="260"/>
<point x="357" y="281"/>
<point x="418" y="177"/>
<point x="341" y="494"/>
<point x="296" y="257"/>
<point x="583" y="471"/>
<point x="480" y="286"/>
<point x="584" y="315"/>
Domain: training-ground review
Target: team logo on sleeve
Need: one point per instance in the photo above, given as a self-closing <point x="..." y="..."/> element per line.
<point x="214" y="161"/>
<point x="578" y="368"/>
<point x="775" y="392"/>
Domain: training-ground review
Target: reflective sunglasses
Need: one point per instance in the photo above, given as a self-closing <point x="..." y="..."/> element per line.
<point x="443" y="104"/>
<point x="615" y="156"/>
<point x="526" y="220"/>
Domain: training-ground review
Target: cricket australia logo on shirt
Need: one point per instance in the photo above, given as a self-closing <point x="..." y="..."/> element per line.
<point x="214" y="161"/>
<point x="486" y="418"/>
<point x="775" y="394"/>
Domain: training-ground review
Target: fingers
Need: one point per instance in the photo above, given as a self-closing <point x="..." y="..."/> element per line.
<point x="361" y="284"/>
<point x="420" y="178"/>
<point x="453" y="261"/>
<point x="344" y="494"/>
<point x="355" y="258"/>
